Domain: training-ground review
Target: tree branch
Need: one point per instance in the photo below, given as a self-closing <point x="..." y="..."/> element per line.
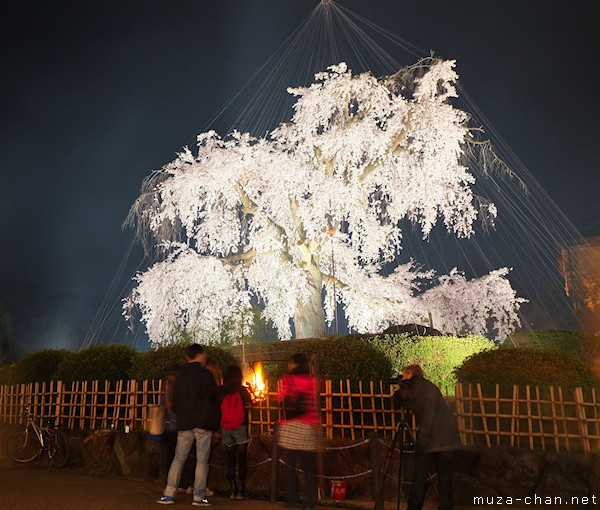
<point x="332" y="280"/>
<point x="297" y="222"/>
<point x="245" y="257"/>
<point x="329" y="163"/>
<point x="371" y="167"/>
<point x="248" y="205"/>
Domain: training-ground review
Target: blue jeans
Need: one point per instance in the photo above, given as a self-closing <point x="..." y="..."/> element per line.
<point x="236" y="436"/>
<point x="185" y="439"/>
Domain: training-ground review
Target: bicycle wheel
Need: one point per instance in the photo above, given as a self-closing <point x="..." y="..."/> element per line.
<point x="23" y="446"/>
<point x="58" y="449"/>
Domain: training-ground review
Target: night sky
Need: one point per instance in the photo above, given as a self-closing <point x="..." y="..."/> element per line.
<point x="96" y="95"/>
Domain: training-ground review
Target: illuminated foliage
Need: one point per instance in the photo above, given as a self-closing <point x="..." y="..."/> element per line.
<point x="307" y="217"/>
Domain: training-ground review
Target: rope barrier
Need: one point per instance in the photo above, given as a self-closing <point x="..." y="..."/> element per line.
<point x="409" y="482"/>
<point x="347" y="447"/>
<point x="341" y="477"/>
<point x="220" y="466"/>
<point x="396" y="449"/>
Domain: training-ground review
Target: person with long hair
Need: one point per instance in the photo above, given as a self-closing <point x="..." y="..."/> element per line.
<point x="298" y="430"/>
<point x="235" y="402"/>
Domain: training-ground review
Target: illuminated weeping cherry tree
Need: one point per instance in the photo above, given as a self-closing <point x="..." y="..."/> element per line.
<point x="308" y="216"/>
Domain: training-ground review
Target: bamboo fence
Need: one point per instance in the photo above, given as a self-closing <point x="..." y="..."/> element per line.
<point x="547" y="418"/>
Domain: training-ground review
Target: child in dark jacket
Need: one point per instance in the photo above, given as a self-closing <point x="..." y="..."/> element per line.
<point x="234" y="422"/>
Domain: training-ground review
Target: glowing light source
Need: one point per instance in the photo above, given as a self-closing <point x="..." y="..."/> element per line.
<point x="255" y="382"/>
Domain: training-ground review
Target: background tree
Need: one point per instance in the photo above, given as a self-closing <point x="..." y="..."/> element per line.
<point x="308" y="216"/>
<point x="6" y="336"/>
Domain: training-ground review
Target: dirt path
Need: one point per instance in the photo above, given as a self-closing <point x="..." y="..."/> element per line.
<point x="36" y="486"/>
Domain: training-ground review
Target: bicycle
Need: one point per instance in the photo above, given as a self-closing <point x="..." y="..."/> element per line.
<point x="27" y="445"/>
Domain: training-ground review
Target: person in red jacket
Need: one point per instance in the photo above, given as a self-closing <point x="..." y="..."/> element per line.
<point x="298" y="430"/>
<point x="234" y="422"/>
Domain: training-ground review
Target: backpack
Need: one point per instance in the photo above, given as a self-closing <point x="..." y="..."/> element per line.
<point x="233" y="413"/>
<point x="294" y="406"/>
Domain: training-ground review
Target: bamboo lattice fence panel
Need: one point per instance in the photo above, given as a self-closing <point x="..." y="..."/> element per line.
<point x="349" y="409"/>
<point x="546" y="418"/>
<point x="82" y="404"/>
<point x="531" y="417"/>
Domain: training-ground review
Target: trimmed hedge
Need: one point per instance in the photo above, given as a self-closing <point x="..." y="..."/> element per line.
<point x="439" y="356"/>
<point x="157" y="363"/>
<point x="527" y="366"/>
<point x="8" y="374"/>
<point x="100" y="362"/>
<point x="40" y="366"/>
<point x="342" y="358"/>
<point x="570" y="341"/>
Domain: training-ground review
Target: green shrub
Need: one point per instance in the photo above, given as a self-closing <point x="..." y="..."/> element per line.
<point x="157" y="363"/>
<point x="40" y="366"/>
<point x="221" y="357"/>
<point x="343" y="358"/>
<point x="100" y="362"/>
<point x="439" y="356"/>
<point x="8" y="374"/>
<point x="570" y="341"/>
<point x="526" y="366"/>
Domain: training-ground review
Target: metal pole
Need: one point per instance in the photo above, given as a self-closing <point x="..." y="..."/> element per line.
<point x="376" y="466"/>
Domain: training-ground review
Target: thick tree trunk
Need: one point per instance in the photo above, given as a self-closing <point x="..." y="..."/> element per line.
<point x="309" y="321"/>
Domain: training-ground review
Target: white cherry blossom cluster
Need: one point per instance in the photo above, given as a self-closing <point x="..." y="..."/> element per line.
<point x="319" y="203"/>
<point x="485" y="306"/>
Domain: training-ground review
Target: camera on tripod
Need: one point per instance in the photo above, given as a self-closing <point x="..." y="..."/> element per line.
<point x="398" y="381"/>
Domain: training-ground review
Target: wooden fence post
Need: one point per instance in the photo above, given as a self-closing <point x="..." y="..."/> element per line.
<point x="58" y="402"/>
<point x="483" y="416"/>
<point x="514" y="421"/>
<point x="564" y="419"/>
<point x="460" y="412"/>
<point x="581" y="419"/>
<point x="132" y="402"/>
<point x="328" y="410"/>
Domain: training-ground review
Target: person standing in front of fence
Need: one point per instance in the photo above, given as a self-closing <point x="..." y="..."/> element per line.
<point x="186" y="482"/>
<point x="437" y="435"/>
<point x="170" y="433"/>
<point x="298" y="430"/>
<point x="196" y="403"/>
<point x="235" y="402"/>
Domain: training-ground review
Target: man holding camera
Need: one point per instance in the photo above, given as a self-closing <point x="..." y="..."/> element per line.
<point x="437" y="435"/>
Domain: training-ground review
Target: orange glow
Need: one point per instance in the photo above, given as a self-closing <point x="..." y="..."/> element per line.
<point x="255" y="382"/>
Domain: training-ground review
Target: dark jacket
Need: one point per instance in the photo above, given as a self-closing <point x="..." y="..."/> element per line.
<point x="196" y="400"/>
<point x="437" y="429"/>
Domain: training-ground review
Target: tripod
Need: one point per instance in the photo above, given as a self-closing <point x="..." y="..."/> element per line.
<point x="403" y="437"/>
